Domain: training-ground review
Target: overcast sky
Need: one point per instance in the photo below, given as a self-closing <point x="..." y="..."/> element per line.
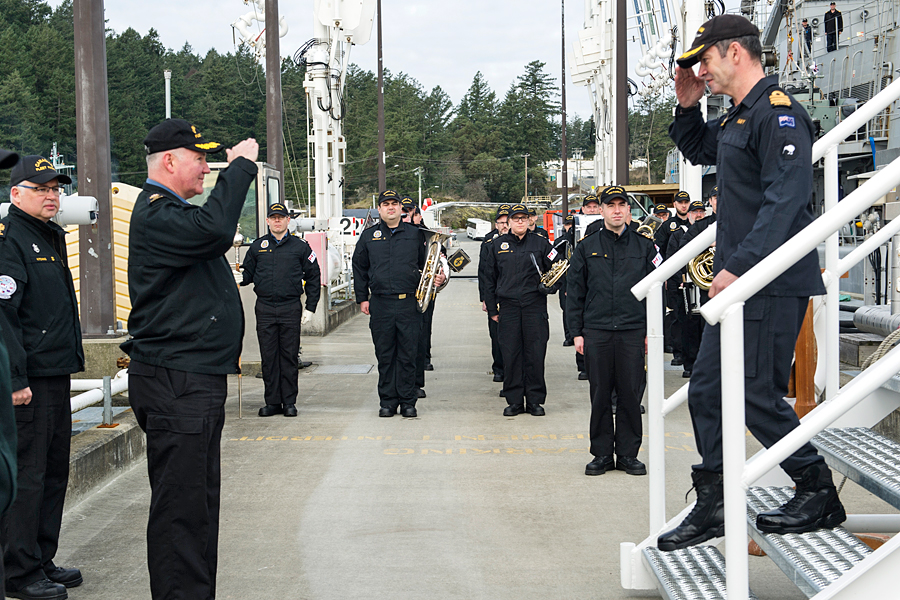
<point x="436" y="43"/>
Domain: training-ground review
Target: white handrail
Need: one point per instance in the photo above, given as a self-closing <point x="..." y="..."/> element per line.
<point x="675" y="262"/>
<point x="882" y="236"/>
<point x="82" y="401"/>
<point x="769" y="268"/>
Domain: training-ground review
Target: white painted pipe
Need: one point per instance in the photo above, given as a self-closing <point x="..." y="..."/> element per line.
<point x="83" y="385"/>
<point x="872" y="524"/>
<point x="82" y="401"/>
<point x="882" y="236"/>
<point x="669" y="267"/>
<point x="676" y="399"/>
<point x="655" y="417"/>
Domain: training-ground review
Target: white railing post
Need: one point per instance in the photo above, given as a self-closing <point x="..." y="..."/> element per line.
<point x="832" y="290"/>
<point x="655" y="398"/>
<point x="731" y="338"/>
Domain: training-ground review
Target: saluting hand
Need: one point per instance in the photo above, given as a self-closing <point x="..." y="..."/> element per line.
<point x="249" y="149"/>
<point x="688" y="87"/>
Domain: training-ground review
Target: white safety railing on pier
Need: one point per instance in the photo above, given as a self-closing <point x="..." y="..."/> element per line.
<point x="97" y="390"/>
<point x="727" y="309"/>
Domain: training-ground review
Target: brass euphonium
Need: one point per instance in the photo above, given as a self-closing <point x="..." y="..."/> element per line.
<point x="649" y="226"/>
<point x="427" y="290"/>
<point x="700" y="268"/>
<point x="557" y="270"/>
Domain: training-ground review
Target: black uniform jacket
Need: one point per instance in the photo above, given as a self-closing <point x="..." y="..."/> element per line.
<point x="834" y="21"/>
<point x="666" y="229"/>
<point x="278" y="271"/>
<point x="186" y="313"/>
<point x="762" y="149"/>
<point x="602" y="271"/>
<point x="511" y="275"/>
<point x="388" y="263"/>
<point x="38" y="309"/>
<point x="482" y="261"/>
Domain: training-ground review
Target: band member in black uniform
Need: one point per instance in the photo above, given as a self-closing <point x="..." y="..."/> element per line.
<point x="386" y="271"/>
<point x="764" y="174"/>
<point x="501" y="226"/>
<point x="591" y="206"/>
<point x="281" y="267"/>
<point x="674" y="301"/>
<point x="662" y="212"/>
<point x="409" y="210"/>
<point x="514" y="266"/>
<point x="610" y="328"/>
<point x="42" y="333"/>
<point x="691" y="325"/>
<point x="566" y="244"/>
<point x="696" y="229"/>
<point x="186" y="328"/>
<point x="533" y="228"/>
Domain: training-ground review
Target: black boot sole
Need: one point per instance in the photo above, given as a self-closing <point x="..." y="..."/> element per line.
<point x="707" y="535"/>
<point x="829" y="521"/>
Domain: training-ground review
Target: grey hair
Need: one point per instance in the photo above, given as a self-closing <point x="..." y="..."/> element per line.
<point x="750" y="43"/>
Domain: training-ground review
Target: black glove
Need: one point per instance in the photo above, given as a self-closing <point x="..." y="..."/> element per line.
<point x="546" y="290"/>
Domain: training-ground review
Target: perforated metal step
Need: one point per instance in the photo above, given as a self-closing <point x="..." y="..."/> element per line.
<point x="811" y="560"/>
<point x="871" y="460"/>
<point x="695" y="573"/>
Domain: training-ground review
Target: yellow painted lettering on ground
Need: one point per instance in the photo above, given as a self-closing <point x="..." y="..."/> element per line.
<point x="499" y="438"/>
<point x="398" y="451"/>
<point x="519" y="451"/>
<point x="365" y="437"/>
<point x="434" y="451"/>
<point x="677" y="434"/>
<point x="425" y="438"/>
<point x="477" y="438"/>
<point x="297" y="438"/>
<point x="479" y="451"/>
<point x="552" y="450"/>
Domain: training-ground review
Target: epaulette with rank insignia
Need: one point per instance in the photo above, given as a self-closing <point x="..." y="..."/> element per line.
<point x="2" y="230"/>
<point x="155" y="197"/>
<point x="779" y="98"/>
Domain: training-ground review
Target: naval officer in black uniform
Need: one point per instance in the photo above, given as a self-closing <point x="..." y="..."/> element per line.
<point x="501" y="226"/>
<point x="186" y="328"/>
<point x="387" y="266"/>
<point x="609" y="327"/>
<point x="514" y="266"/>
<point x="281" y="268"/>
<point x="762" y="151"/>
<point x="42" y="332"/>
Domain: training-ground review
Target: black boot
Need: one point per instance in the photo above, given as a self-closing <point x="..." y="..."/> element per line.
<point x="815" y="504"/>
<point x="706" y="521"/>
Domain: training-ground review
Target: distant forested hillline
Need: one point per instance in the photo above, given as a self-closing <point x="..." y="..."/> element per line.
<point x="474" y="149"/>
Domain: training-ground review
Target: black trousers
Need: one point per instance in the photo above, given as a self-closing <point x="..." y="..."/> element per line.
<point x="32" y="523"/>
<point x="423" y="355"/>
<point x="278" y="331"/>
<point x="497" y="365"/>
<point x="182" y="414"/>
<point x="523" y="334"/>
<point x="615" y="362"/>
<point x="831" y="41"/>
<point x="691" y="331"/>
<point x="562" y="305"/>
<point x="771" y="327"/>
<point x="675" y="301"/>
<point x="396" y="326"/>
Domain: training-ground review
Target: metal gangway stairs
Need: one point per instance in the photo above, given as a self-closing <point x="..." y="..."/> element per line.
<point x="824" y="564"/>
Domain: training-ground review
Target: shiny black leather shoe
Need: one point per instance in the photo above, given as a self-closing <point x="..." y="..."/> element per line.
<point x="387" y="411"/>
<point x="408" y="411"/>
<point x="676" y="362"/>
<point x="429" y="366"/>
<point x="631" y="465"/>
<point x="600" y="465"/>
<point x="535" y="410"/>
<point x="270" y="410"/>
<point x="815" y="505"/>
<point x="705" y="521"/>
<point x="643" y="409"/>
<point x="582" y="376"/>
<point x="290" y="410"/>
<point x="42" y="589"/>
<point x="67" y="577"/>
<point x="686" y="374"/>
<point x="513" y="410"/>
<point x="567" y="343"/>
<point x="420" y="393"/>
<point x="498" y="378"/>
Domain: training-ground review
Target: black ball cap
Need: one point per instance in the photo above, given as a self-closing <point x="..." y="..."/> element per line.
<point x="723" y="27"/>
<point x="8" y="159"/>
<point x="518" y="209"/>
<point x="660" y="208"/>
<point x="696" y="205"/>
<point x="682" y="196"/>
<point x="612" y="192"/>
<point x="569" y="219"/>
<point x="178" y="133"/>
<point x="278" y="209"/>
<point x="389" y="195"/>
<point x="590" y="198"/>
<point x="503" y="211"/>
<point x="36" y="169"/>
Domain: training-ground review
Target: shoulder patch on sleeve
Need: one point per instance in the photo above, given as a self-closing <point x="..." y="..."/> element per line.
<point x="779" y="98"/>
<point x="7" y="287"/>
<point x="657" y="260"/>
<point x="786" y="121"/>
<point x="312" y="256"/>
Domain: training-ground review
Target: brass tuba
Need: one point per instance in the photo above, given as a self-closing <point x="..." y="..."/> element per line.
<point x="700" y="268"/>
<point x="426" y="291"/>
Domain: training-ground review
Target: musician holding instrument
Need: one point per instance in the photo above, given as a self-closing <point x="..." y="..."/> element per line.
<point x="609" y="326"/>
<point x="690" y="320"/>
<point x="387" y="262"/>
<point x="701" y="265"/>
<point x="281" y="268"/>
<point x="514" y="268"/>
<point x="674" y="301"/>
<point x="762" y="149"/>
<point x="501" y="226"/>
<point x="186" y="327"/>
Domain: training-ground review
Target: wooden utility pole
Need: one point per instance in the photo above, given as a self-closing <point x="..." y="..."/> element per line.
<point x="274" y="121"/>
<point x="620" y="96"/>
<point x="96" y="267"/>
<point x="564" y="152"/>
<point x="382" y="176"/>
